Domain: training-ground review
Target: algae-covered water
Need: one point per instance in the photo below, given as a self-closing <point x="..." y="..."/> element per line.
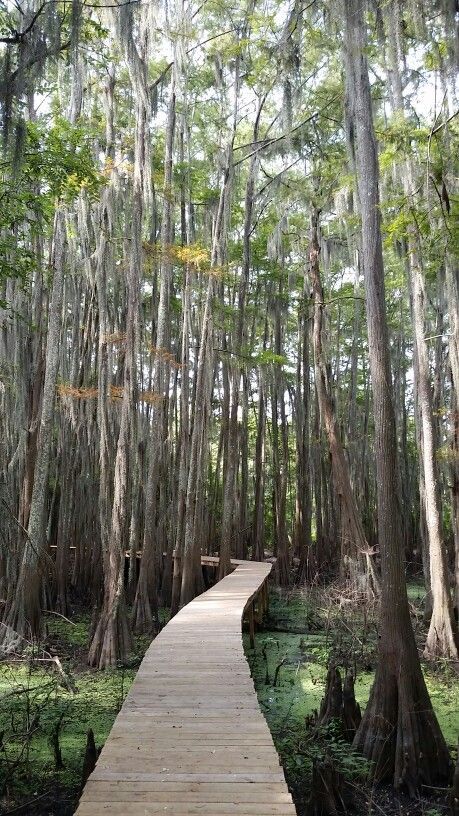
<point x="301" y="660"/>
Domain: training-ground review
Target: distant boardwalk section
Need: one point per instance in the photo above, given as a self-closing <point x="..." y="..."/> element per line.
<point x="190" y="737"/>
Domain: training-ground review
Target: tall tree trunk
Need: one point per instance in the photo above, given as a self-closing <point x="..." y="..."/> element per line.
<point x="280" y="452"/>
<point x="236" y="369"/>
<point x="452" y="287"/>
<point x="442" y="638"/>
<point x="191" y="570"/>
<point x="145" y="608"/>
<point x="356" y="563"/>
<point x="260" y="455"/>
<point x="399" y="732"/>
<point x="303" y="507"/>
<point x="23" y="618"/>
<point x="184" y="440"/>
<point x="184" y="448"/>
<point x="317" y="477"/>
<point x="112" y="640"/>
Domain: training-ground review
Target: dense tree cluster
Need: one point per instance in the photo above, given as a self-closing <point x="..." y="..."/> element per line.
<point x="229" y="318"/>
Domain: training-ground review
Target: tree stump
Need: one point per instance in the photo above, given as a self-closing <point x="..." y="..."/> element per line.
<point x="90" y="758"/>
<point x="332" y="704"/>
<point x="325" y="799"/>
<point x="351" y="709"/>
<point x="339" y="703"/>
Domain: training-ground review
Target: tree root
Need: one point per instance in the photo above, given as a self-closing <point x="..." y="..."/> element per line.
<point x="399" y="733"/>
<point x="442" y="640"/>
<point x="339" y="704"/>
<point x="144" y="613"/>
<point x="112" y="641"/>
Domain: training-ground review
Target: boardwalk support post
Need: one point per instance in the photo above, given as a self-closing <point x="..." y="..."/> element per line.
<point x="252" y="625"/>
<point x="260" y="607"/>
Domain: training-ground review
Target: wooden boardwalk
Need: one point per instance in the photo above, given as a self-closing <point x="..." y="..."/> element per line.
<point x="190" y="737"/>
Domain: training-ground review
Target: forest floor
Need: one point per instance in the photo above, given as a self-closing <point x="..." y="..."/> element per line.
<point x="45" y="713"/>
<point x="38" y="701"/>
<point x="303" y="629"/>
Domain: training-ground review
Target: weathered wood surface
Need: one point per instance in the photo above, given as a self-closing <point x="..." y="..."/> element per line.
<point x="190" y="737"/>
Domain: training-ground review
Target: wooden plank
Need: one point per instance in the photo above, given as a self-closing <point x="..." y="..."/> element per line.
<point x="159" y="737"/>
<point x="199" y="776"/>
<point x="180" y="768"/>
<point x="250" y="791"/>
<point x="190" y="737"/>
<point x="138" y="809"/>
<point x="186" y="792"/>
<point x="143" y="808"/>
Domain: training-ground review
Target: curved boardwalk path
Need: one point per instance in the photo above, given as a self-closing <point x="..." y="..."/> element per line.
<point x="190" y="737"/>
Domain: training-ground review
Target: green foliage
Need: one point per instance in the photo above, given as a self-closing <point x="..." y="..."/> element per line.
<point x="269" y="358"/>
<point x="92" y="31"/>
<point x="434" y="55"/>
<point x="396" y="228"/>
<point x="57" y="164"/>
<point x="319" y="743"/>
<point x="60" y="158"/>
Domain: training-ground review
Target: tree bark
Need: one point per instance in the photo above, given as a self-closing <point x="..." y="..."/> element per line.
<point x="356" y="565"/>
<point x="399" y="732"/>
<point x="112" y="640"/>
<point x="145" y="608"/>
<point x="23" y="618"/>
<point x="260" y="455"/>
<point x="443" y="637"/>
